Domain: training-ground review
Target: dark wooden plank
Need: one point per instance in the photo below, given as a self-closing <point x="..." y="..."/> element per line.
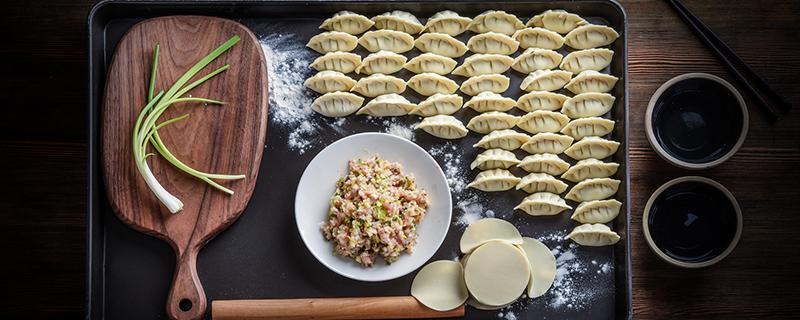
<point x="42" y="200"/>
<point x="226" y="139"/>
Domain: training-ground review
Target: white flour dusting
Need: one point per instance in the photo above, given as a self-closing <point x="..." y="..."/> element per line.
<point x="471" y="210"/>
<point x="393" y="127"/>
<point x="450" y="154"/>
<point x="510" y="315"/>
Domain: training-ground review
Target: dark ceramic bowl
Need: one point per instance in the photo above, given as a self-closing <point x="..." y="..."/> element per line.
<point x="696" y="121"/>
<point x="692" y="222"/>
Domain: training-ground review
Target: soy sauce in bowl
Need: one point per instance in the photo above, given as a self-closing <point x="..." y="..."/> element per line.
<point x="692" y="222"/>
<point x="696" y="121"/>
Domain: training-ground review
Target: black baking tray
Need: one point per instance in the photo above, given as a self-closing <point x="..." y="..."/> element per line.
<point x="262" y="255"/>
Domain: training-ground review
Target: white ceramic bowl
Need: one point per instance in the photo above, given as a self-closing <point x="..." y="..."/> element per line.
<point x="318" y="184"/>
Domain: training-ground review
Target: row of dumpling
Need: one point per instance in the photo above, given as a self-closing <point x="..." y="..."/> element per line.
<point x="542" y="31"/>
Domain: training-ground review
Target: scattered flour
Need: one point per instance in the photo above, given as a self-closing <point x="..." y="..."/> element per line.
<point x="471" y="210"/>
<point x="510" y="315"/>
<point x="454" y="169"/>
<point x="399" y="129"/>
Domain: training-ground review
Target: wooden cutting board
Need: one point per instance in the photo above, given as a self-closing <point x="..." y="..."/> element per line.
<point x="225" y="139"/>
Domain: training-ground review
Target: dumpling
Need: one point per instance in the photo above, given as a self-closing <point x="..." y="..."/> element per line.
<point x="443" y="126"/>
<point x="494" y="180"/>
<point x="344" y="62"/>
<point x="496" y="83"/>
<point x="491" y="121"/>
<point x="332" y="41"/>
<point x="337" y="104"/>
<point x="492" y="42"/>
<point x="547" y="142"/>
<point x="533" y="59"/>
<point x="329" y="81"/>
<point x="398" y="20"/>
<point x="585" y="127"/>
<point x="430" y="62"/>
<point x="478" y="64"/>
<point x="385" y="62"/>
<point x="592" y="147"/>
<point x="542" y="121"/>
<point x="389" y="40"/>
<point x="441" y="44"/>
<point x="447" y="22"/>
<point x="347" y="22"/>
<point x="379" y="84"/>
<point x="544" y="163"/>
<point x="593" y="189"/>
<point x="541" y="100"/>
<point x="545" y="80"/>
<point x="541" y="182"/>
<point x="496" y="21"/>
<point x="597" y="211"/>
<point x="503" y="139"/>
<point x="387" y="105"/>
<point x="538" y="38"/>
<point x="590" y="104"/>
<point x="557" y="20"/>
<point x="590" y="36"/>
<point x="490" y="101"/>
<point x="494" y="159"/>
<point x="591" y="81"/>
<point x="590" y="168"/>
<point x="593" y="235"/>
<point x="589" y="59"/>
<point x="439" y="104"/>
<point x="543" y="204"/>
<point x="428" y="84"/>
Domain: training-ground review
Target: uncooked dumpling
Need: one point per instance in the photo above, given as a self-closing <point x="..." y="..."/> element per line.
<point x="503" y="139"/>
<point x="431" y="62"/>
<point x="590" y="36"/>
<point x="387" y="105"/>
<point x="437" y="104"/>
<point x="591" y="104"/>
<point x="478" y="64"/>
<point x="586" y="127"/>
<point x="592" y="147"/>
<point x="497" y="273"/>
<point x="379" y="84"/>
<point x="589" y="59"/>
<point x="496" y="83"/>
<point x="543" y="204"/>
<point x="496" y="21"/>
<point x="545" y="80"/>
<point x="541" y="100"/>
<point x="348" y="22"/>
<point x="443" y="126"/>
<point x="488" y="229"/>
<point x="385" y="62"/>
<point x="493" y="42"/>
<point x="545" y="163"/>
<point x="329" y="81"/>
<point x="593" y="189"/>
<point x="428" y="84"/>
<point x="590" y="168"/>
<point x="494" y="180"/>
<point x="538" y="38"/>
<point x="489" y="101"/>
<point x="344" y="62"/>
<point x="541" y="182"/>
<point x="441" y="44"/>
<point x="440" y="285"/>
<point x="389" y="40"/>
<point x="332" y="41"/>
<point x="543" y="266"/>
<point x="337" y="104"/>
<point x="533" y="59"/>
<point x="491" y="121"/>
<point x="398" y="20"/>
<point x="542" y="121"/>
<point x="494" y="159"/>
<point x="591" y="81"/>
<point x="593" y="235"/>
<point x="547" y="142"/>
<point x="447" y="22"/>
<point x="597" y="211"/>
<point x="557" y="20"/>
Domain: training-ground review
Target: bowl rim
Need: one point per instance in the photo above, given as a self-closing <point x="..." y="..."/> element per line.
<point x="448" y="204"/>
<point x="651" y="137"/>
<point x="684" y="264"/>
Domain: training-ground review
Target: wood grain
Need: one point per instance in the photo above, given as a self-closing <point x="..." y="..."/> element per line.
<point x="220" y="139"/>
<point x="43" y="197"/>
<point x="328" y="309"/>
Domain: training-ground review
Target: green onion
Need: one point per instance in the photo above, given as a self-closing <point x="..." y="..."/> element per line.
<point x="145" y="131"/>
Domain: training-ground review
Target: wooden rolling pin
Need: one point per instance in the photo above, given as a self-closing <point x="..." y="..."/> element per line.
<point x="328" y="308"/>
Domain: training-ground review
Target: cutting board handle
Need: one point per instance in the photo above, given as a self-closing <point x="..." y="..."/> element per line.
<point x="187" y="300"/>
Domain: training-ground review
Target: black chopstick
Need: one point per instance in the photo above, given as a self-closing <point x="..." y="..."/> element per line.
<point x="758" y="89"/>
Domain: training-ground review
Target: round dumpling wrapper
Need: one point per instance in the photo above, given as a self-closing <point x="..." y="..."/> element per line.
<point x="543" y="266"/>
<point x="440" y="285"/>
<point x="497" y="273"/>
<point x="488" y="229"/>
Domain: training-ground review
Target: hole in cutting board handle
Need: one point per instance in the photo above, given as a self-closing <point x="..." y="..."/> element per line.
<point x="185" y="305"/>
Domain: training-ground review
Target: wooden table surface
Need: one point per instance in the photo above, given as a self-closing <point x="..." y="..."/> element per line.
<point x="43" y="152"/>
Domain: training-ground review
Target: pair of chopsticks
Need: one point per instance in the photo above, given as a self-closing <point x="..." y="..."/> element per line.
<point x="770" y="101"/>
